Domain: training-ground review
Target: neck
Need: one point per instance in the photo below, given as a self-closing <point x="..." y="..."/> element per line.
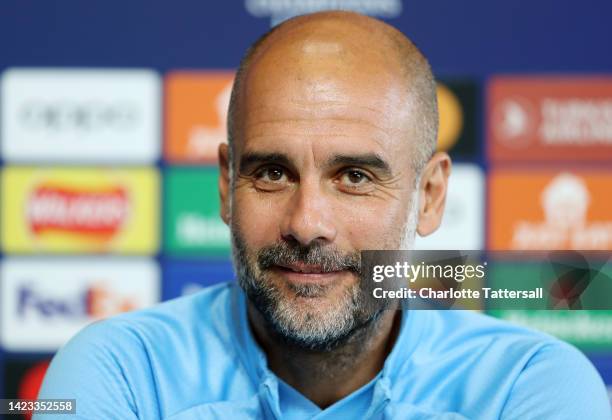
<point x="327" y="377"/>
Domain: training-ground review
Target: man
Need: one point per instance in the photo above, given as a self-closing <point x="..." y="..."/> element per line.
<point x="332" y="130"/>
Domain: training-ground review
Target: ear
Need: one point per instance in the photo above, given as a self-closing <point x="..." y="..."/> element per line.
<point x="224" y="182"/>
<point x="432" y="193"/>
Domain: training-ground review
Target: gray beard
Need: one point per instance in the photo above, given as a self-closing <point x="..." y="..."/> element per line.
<point x="351" y="318"/>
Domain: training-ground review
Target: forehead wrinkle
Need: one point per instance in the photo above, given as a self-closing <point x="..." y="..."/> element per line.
<point x="319" y="121"/>
<point x="338" y="103"/>
<point x="299" y="117"/>
<point x="331" y="104"/>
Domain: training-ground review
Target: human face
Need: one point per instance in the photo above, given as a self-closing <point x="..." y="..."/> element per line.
<point x="322" y="171"/>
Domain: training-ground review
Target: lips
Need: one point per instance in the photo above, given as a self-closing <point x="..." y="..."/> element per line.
<point x="308" y="274"/>
<point x="304" y="268"/>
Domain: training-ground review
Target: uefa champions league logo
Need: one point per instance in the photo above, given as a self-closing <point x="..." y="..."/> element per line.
<point x="280" y="10"/>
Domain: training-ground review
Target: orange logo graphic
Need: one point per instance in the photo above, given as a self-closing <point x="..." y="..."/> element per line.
<point x="196" y="115"/>
<point x="101" y="302"/>
<point x="541" y="211"/>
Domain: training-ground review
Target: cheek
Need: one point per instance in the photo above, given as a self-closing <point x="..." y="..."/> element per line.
<point x="375" y="225"/>
<point x="256" y="219"/>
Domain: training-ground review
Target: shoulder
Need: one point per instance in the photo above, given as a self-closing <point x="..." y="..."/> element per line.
<point x="501" y="364"/>
<point x="513" y="345"/>
<point x="195" y="322"/>
<point x="470" y="330"/>
<point x="558" y="381"/>
<point x="144" y="349"/>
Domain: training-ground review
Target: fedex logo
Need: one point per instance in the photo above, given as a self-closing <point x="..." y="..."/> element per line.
<point x="45" y="301"/>
<point x="96" y="301"/>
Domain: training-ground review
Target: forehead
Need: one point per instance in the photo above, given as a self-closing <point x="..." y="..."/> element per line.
<point x="326" y="89"/>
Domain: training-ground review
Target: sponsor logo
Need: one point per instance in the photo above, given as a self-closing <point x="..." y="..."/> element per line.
<point x="192" y="222"/>
<point x="463" y="222"/>
<point x="79" y="210"/>
<point x="81" y="117"/>
<point x="578" y="288"/>
<point x="280" y="10"/>
<point x="589" y="330"/>
<point x="196" y="115"/>
<point x="46" y="301"/>
<point x="98" y="213"/>
<point x="94" y="301"/>
<point x="550" y="211"/>
<point x="71" y="115"/>
<point x="513" y="122"/>
<point x="536" y="118"/>
<point x="196" y="230"/>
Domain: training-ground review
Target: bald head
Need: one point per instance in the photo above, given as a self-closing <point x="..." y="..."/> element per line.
<point x="332" y="52"/>
<point x="332" y="118"/>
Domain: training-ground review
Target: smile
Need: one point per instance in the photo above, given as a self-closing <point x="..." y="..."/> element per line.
<point x="302" y="273"/>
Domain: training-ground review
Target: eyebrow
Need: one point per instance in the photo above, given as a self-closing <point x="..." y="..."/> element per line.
<point x="253" y="158"/>
<point x="373" y="161"/>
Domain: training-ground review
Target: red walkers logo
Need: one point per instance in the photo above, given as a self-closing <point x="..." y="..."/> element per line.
<point x="100" y="214"/>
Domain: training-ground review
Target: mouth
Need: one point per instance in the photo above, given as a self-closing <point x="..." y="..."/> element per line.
<point x="311" y="274"/>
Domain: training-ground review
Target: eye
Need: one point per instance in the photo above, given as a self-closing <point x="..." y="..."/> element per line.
<point x="271" y="178"/>
<point x="354" y="177"/>
<point x="271" y="174"/>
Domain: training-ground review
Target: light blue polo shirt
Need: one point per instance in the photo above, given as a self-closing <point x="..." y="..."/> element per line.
<point x="195" y="358"/>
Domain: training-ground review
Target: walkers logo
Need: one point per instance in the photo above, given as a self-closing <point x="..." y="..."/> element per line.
<point x="46" y="301"/>
<point x="196" y="115"/>
<point x="79" y="210"/>
<point x="462" y="225"/>
<point x="280" y="10"/>
<point x="457" y="108"/>
<point x="192" y="222"/>
<point x="93" y="116"/>
<point x="100" y="213"/>
<point x="543" y="210"/>
<point x="537" y="118"/>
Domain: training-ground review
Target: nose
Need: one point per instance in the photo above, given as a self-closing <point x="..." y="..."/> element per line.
<point x="309" y="217"/>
